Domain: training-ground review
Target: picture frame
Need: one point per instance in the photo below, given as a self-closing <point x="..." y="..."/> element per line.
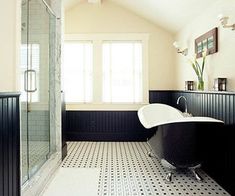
<point x="209" y="40"/>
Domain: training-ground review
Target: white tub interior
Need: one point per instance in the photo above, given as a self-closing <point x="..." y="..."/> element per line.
<point x="159" y="114"/>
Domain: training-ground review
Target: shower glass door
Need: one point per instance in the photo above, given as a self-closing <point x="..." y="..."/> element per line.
<point x="36" y="59"/>
<point x="23" y="97"/>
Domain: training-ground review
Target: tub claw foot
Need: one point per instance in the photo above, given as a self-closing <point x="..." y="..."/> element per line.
<point x="150" y="154"/>
<point x="169" y="177"/>
<point x="196" y="175"/>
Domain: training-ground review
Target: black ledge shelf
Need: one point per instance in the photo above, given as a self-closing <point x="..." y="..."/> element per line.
<point x="199" y="92"/>
<point x="9" y="94"/>
<point x="210" y="92"/>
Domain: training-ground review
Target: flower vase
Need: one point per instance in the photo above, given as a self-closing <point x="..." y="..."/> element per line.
<point x="200" y="85"/>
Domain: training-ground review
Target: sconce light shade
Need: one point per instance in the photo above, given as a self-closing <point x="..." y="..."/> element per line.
<point x="224" y="22"/>
<point x="220" y="16"/>
<point x="183" y="52"/>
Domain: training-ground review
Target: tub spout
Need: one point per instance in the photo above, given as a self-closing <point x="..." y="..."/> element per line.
<point x="185" y="103"/>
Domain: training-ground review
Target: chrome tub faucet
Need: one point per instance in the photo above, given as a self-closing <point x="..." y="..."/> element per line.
<point x="185" y="103"/>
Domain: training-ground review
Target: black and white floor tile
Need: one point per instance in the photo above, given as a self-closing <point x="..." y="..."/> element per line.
<point x="126" y="170"/>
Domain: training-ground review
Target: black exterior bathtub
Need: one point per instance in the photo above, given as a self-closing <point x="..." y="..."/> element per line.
<point x="180" y="140"/>
<point x="183" y="144"/>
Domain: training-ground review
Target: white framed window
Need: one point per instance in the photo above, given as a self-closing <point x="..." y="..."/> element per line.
<point x="122" y="72"/>
<point x="117" y="77"/>
<point x="78" y="67"/>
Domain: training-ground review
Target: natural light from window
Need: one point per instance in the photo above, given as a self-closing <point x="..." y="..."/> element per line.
<point x="122" y="72"/>
<point x="78" y="68"/>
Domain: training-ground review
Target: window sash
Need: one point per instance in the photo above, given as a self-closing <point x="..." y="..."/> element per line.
<point x="78" y="71"/>
<point x="122" y="72"/>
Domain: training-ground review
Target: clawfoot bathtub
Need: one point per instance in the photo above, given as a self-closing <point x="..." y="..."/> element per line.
<point x="178" y="140"/>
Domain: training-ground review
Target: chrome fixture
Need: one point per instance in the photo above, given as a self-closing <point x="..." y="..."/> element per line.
<point x="224" y="22"/>
<point x="179" y="50"/>
<point x="196" y="175"/>
<point x="185" y="103"/>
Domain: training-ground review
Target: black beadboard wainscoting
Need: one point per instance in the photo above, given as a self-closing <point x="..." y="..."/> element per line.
<point x="105" y="126"/>
<point x="9" y="145"/>
<point x="63" y="126"/>
<point x="219" y="105"/>
<point x="219" y="161"/>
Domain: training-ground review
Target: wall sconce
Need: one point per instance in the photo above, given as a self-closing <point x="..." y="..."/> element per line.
<point x="179" y="50"/>
<point x="224" y="22"/>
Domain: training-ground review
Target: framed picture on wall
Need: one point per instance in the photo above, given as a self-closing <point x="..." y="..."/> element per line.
<point x="207" y="41"/>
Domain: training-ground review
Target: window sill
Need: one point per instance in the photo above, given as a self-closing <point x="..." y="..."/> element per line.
<point x="105" y="106"/>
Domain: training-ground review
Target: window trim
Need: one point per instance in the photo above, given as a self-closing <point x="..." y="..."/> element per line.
<point x="97" y="40"/>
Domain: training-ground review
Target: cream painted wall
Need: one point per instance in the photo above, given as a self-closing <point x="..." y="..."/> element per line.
<point x="111" y="18"/>
<point x="9" y="44"/>
<point x="221" y="64"/>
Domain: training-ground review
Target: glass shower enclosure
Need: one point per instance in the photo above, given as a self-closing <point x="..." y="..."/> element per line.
<point x="37" y="57"/>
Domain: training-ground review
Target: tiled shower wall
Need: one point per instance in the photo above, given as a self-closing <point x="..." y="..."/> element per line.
<point x="39" y="126"/>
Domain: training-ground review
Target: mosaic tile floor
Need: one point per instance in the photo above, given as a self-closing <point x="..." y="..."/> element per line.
<point x="126" y="169"/>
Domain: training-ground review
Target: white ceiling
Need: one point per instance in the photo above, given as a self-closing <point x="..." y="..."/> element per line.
<point x="170" y="14"/>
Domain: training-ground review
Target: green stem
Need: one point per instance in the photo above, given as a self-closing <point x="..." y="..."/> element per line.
<point x="200" y="85"/>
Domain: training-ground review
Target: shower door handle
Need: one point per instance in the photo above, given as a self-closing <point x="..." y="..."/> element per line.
<point x="30" y="76"/>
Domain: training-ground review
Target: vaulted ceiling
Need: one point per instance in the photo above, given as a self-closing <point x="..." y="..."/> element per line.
<point x="170" y="14"/>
